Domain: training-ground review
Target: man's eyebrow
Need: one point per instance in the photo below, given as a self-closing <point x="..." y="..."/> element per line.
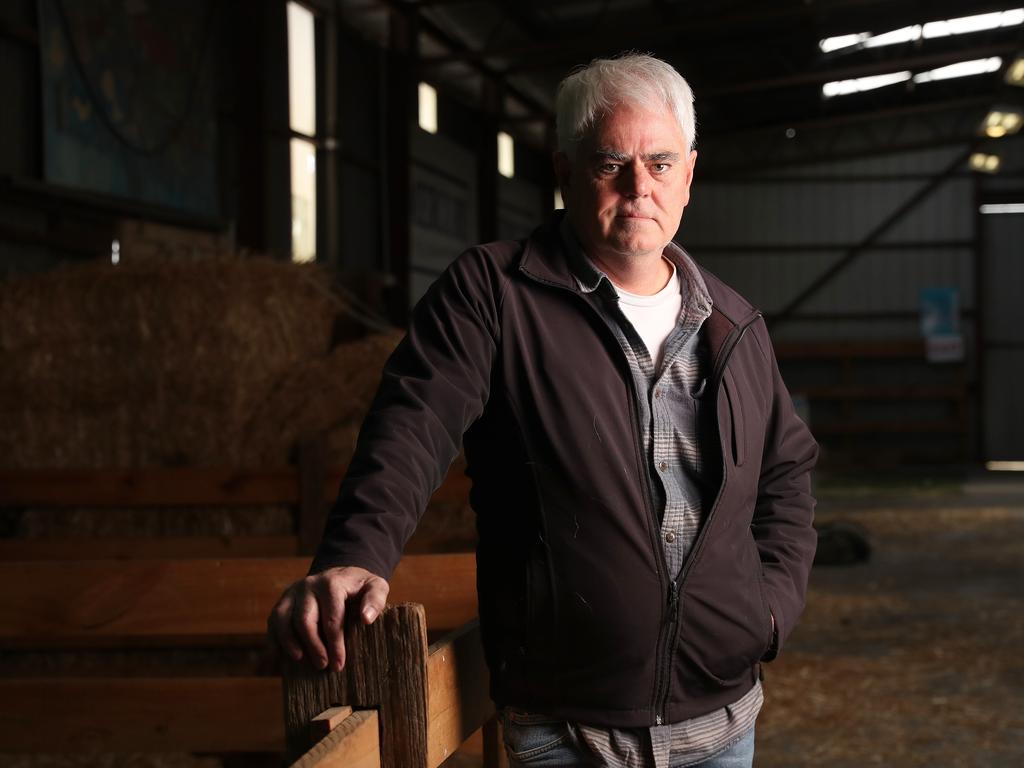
<point x="611" y="154"/>
<point x="622" y="157"/>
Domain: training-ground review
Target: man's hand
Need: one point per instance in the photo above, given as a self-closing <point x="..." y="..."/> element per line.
<point x="309" y="618"/>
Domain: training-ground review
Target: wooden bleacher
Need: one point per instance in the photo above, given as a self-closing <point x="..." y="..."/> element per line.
<point x="155" y="594"/>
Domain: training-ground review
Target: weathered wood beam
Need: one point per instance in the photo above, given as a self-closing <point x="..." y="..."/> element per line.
<point x="355" y="743"/>
<point x="97" y="603"/>
<point x="387" y="672"/>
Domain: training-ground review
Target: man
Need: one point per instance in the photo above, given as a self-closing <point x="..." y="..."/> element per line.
<point x="640" y="477"/>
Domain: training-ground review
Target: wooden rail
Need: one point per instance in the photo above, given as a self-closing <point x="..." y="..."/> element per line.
<point x="308" y="488"/>
<point x="175" y="487"/>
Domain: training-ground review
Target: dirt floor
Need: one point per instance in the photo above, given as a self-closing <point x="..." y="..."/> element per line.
<point x="916" y="657"/>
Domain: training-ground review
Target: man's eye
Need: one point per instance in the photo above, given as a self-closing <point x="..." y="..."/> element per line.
<point x="609" y="168"/>
<point x="660" y="167"/>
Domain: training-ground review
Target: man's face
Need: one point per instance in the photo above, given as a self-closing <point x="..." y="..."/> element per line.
<point x="627" y="186"/>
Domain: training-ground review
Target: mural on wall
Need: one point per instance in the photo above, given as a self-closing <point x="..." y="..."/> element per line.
<point x="128" y="100"/>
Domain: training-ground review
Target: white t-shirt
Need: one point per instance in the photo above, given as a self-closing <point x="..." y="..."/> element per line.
<point x="654" y="316"/>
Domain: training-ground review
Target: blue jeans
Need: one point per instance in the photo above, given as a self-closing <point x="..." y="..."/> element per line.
<point x="533" y="740"/>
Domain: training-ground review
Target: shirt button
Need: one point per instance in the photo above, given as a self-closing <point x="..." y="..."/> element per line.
<point x="657" y="393"/>
<point x="663" y="465"/>
<point x="670" y="537"/>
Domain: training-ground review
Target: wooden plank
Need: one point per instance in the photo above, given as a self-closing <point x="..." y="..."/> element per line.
<point x="328" y="720"/>
<point x="355" y="743"/>
<point x="99" y="603"/>
<point x="148" y="548"/>
<point x="495" y="755"/>
<point x="458" y="702"/>
<point x="92" y="715"/>
<point x="176" y="487"/>
<point x="387" y="670"/>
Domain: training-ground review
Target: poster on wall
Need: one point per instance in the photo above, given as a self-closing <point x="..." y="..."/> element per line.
<point x="940" y="325"/>
<point x="127" y="95"/>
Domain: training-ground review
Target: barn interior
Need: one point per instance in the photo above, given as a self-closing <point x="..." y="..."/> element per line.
<point x="216" y="218"/>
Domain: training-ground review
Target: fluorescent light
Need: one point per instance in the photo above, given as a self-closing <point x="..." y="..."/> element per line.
<point x="960" y="69"/>
<point x="506" y="155"/>
<point x="1005" y="466"/>
<point x="843" y="87"/>
<point x="830" y="44"/>
<point x="1001" y="122"/>
<point x="984" y="163"/>
<point x="559" y="202"/>
<point x="428" y="107"/>
<point x="897" y="36"/>
<point x="1015" y="72"/>
<point x="964" y="25"/>
<point x="989" y="208"/>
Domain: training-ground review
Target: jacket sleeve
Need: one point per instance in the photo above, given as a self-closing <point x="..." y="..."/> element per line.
<point x="433" y="387"/>
<point x="784" y="511"/>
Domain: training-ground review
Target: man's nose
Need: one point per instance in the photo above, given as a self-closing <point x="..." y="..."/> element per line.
<point x="635" y="180"/>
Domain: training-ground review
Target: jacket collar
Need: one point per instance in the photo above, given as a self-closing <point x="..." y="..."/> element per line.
<point x="546" y="259"/>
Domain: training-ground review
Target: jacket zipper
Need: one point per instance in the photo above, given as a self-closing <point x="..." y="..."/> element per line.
<point x="662" y="676"/>
<point x="676" y="587"/>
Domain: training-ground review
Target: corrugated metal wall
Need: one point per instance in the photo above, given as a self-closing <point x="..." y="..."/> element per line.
<point x="763" y="236"/>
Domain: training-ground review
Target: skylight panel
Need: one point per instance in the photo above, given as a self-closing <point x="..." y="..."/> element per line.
<point x="897" y="36"/>
<point x="844" y="87"/>
<point x="966" y="24"/>
<point x="830" y="44"/>
<point x="960" y="69"/>
<point x="962" y="25"/>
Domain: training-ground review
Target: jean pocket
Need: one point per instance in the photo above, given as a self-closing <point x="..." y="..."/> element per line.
<point x="530" y="737"/>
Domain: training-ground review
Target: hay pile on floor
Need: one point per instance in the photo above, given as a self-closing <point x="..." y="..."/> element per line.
<point x="912" y="659"/>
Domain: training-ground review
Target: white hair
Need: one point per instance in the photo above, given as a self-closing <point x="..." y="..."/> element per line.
<point x="590" y="92"/>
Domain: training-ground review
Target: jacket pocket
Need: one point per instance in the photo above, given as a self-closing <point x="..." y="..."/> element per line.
<point x="726" y="628"/>
<point x="737" y="436"/>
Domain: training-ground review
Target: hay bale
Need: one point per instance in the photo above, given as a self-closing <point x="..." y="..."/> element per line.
<point x="328" y="395"/>
<point x="151" y="363"/>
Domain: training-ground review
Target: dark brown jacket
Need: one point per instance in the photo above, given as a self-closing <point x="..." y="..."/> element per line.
<point x="578" y="615"/>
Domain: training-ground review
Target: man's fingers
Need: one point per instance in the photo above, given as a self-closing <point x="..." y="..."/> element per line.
<point x="305" y="620"/>
<point x="331" y="598"/>
<point x="309" y="619"/>
<point x="279" y="627"/>
<point x="375" y="596"/>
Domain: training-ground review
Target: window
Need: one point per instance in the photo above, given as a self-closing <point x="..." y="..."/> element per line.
<point x="302" y="121"/>
<point x="506" y="155"/>
<point x="428" y="108"/>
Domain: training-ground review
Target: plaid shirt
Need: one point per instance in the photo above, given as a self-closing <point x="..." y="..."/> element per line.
<point x="668" y="405"/>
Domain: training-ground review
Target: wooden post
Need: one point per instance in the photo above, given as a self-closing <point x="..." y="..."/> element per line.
<point x="494" y="748"/>
<point x="312" y="505"/>
<point x="386" y="670"/>
<point x="401" y="58"/>
<point x="487" y="161"/>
